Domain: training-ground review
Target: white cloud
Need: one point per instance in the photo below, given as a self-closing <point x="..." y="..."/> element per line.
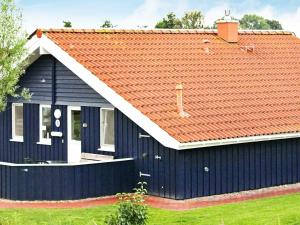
<point x="145" y="14"/>
<point x="150" y="11"/>
<point x="215" y="13"/>
<point x="290" y="21"/>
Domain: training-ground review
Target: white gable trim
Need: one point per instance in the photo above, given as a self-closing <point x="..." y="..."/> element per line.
<point x="38" y="46"/>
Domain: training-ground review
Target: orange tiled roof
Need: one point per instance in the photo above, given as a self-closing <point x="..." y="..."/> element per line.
<point x="228" y="91"/>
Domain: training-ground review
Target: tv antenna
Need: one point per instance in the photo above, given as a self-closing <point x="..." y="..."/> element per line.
<point x="227" y="12"/>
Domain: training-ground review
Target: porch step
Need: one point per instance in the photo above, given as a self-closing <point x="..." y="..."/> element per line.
<point x="96" y="157"/>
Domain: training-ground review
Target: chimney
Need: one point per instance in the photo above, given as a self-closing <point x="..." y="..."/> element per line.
<point x="179" y="94"/>
<point x="228" y="28"/>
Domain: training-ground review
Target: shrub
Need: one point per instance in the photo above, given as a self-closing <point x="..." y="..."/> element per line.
<point x="131" y="208"/>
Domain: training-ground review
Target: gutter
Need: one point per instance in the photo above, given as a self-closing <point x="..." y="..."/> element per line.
<point x="241" y="140"/>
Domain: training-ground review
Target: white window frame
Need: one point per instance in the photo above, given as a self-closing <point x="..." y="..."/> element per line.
<point x="105" y="147"/>
<point x="13" y="110"/>
<point x="43" y="141"/>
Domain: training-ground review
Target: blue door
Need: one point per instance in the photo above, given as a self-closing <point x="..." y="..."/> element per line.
<point x="151" y="164"/>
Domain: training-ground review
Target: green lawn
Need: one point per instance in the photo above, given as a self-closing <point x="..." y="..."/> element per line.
<point x="279" y="210"/>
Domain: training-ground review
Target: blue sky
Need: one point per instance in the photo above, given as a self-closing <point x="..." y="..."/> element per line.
<point x="135" y="13"/>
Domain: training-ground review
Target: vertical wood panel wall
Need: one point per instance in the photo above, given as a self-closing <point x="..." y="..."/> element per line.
<point x="235" y="168"/>
<point x="15" y="152"/>
<point x="163" y="172"/>
<point x="90" y="135"/>
<point x="208" y="171"/>
<point x="65" y="182"/>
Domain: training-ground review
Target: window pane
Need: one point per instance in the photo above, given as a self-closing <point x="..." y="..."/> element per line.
<point x="19" y="121"/>
<point x="108" y="127"/>
<point x="75" y="125"/>
<point x="46" y="122"/>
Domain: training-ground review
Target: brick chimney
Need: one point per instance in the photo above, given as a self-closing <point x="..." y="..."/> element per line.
<point x="228" y="28"/>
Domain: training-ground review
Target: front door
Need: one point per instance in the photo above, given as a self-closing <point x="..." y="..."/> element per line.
<point x="74" y="134"/>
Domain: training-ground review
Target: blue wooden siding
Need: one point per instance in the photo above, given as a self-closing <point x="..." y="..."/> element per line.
<point x="38" y="78"/>
<point x="16" y="151"/>
<point x="90" y="135"/>
<point x="11" y="151"/>
<point x="235" y="168"/>
<point x="164" y="172"/>
<point x="50" y="81"/>
<point x="65" y="182"/>
<point x="207" y="171"/>
<point x="173" y="174"/>
<point x="71" y="90"/>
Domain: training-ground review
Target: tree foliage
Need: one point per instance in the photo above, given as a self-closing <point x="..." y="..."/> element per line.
<point x="131" y="208"/>
<point x="255" y="22"/>
<point x="12" y="52"/>
<point x="274" y="24"/>
<point x="170" y="21"/>
<point x="67" y="24"/>
<point x="190" y="20"/>
<point x="107" y="24"/>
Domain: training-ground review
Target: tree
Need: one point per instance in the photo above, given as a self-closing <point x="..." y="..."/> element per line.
<point x="67" y="24"/>
<point x="169" y="22"/>
<point x="12" y="52"/>
<point x="192" y="20"/>
<point x="274" y="24"/>
<point x="107" y="24"/>
<point x="254" y="22"/>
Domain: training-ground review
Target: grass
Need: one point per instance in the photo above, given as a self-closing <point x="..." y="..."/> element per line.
<point x="284" y="210"/>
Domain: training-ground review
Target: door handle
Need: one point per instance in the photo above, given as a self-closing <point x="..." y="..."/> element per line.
<point x="143" y="135"/>
<point x="56" y="134"/>
<point x="144" y="174"/>
<point x="157" y="157"/>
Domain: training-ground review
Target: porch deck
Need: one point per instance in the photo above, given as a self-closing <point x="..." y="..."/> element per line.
<point x="66" y="181"/>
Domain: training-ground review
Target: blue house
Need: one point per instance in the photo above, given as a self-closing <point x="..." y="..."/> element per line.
<point x="191" y="112"/>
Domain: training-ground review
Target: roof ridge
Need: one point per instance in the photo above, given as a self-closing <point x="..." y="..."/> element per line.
<point x="160" y="31"/>
<point x="113" y="30"/>
<point x="265" y="32"/>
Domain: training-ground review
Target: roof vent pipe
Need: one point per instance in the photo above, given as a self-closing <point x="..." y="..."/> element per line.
<point x="228" y="28"/>
<point x="179" y="94"/>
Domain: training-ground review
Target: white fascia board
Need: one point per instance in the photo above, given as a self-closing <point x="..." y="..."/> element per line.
<point x="115" y="99"/>
<point x="44" y="51"/>
<point x="33" y="44"/>
<point x="241" y="140"/>
<point x="33" y="50"/>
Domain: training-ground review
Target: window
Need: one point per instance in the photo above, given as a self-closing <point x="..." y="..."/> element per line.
<point x="107" y="129"/>
<point x="17" y="122"/>
<point x="75" y="125"/>
<point x="45" y="124"/>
